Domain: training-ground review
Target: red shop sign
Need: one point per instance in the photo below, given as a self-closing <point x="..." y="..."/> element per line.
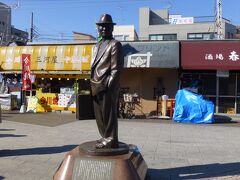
<point x="211" y="55"/>
<point x="26" y="72"/>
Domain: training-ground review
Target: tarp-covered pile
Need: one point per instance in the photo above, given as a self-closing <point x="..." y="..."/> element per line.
<point x="192" y="108"/>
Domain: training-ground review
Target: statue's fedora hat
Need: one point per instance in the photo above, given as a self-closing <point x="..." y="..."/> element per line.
<point x="105" y="19"/>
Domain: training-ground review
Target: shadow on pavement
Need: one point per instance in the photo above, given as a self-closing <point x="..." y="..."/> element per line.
<point x="223" y="119"/>
<point x="10" y="135"/>
<point x="35" y="151"/>
<point x="42" y="119"/>
<point x="1" y="177"/>
<point x="7" y="129"/>
<point x="195" y="172"/>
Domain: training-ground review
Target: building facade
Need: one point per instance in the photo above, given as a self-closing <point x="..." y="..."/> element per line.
<point x="56" y="71"/>
<point x="159" y="25"/>
<point x="238" y="32"/>
<point x="150" y="71"/>
<point x="81" y="37"/>
<point x="212" y="68"/>
<point x="5" y="23"/>
<point x="125" y="33"/>
<point x="9" y="34"/>
<point x="18" y="36"/>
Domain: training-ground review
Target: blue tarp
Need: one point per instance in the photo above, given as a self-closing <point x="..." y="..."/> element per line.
<point x="192" y="108"/>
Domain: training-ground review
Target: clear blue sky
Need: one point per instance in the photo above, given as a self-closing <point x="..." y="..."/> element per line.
<point x="58" y="18"/>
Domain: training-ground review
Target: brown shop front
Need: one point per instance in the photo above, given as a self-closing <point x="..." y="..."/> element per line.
<point x="212" y="68"/>
<point x="150" y="71"/>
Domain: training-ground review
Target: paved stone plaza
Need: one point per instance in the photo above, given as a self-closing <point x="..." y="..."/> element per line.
<point x="171" y="150"/>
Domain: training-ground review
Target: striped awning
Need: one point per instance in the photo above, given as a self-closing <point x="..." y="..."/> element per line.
<point x="47" y="58"/>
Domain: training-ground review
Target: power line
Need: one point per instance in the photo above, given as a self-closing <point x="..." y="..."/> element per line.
<point x="49" y="4"/>
<point x="83" y="2"/>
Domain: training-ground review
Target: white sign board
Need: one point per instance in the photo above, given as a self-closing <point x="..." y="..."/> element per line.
<point x="178" y="19"/>
<point x="222" y="73"/>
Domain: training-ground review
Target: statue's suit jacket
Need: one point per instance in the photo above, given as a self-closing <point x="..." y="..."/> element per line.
<point x="106" y="65"/>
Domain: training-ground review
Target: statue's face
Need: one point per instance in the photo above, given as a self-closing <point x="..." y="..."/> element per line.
<point x="105" y="30"/>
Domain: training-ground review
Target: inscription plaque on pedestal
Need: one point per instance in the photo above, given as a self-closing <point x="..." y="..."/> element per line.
<point x="79" y="165"/>
<point x="91" y="169"/>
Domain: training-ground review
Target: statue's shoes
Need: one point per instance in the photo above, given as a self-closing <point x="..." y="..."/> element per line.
<point x="106" y="143"/>
<point x="100" y="145"/>
<point x="100" y="140"/>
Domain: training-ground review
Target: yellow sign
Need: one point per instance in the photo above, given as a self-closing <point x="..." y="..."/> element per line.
<point x="48" y="102"/>
<point x="32" y="104"/>
<point x="48" y="58"/>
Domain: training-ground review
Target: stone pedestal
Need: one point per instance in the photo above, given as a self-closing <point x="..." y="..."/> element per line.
<point x="79" y="164"/>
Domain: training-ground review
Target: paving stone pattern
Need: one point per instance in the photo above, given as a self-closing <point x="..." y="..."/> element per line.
<point x="171" y="150"/>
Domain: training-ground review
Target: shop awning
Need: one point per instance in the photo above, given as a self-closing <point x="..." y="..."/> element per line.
<point x="72" y="59"/>
<point x="47" y="58"/>
<point x="210" y="55"/>
<point x="159" y="54"/>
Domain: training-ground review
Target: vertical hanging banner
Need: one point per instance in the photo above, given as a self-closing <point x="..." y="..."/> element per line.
<point x="26" y="72"/>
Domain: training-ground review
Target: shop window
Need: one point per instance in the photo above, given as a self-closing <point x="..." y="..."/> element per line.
<point x="238" y="85"/>
<point x="226" y="105"/>
<point x="228" y="35"/>
<point x="204" y="84"/>
<point x="227" y="85"/>
<point x="208" y="84"/>
<point x="156" y="37"/>
<point x="121" y="37"/>
<point x="118" y="37"/>
<point x="164" y="37"/>
<point x="168" y="37"/>
<point x="206" y="36"/>
<point x="198" y="36"/>
<point x="191" y="82"/>
<point x="53" y="85"/>
<point x="238" y="106"/>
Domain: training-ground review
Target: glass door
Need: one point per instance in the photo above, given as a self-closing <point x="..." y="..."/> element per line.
<point x="227" y="94"/>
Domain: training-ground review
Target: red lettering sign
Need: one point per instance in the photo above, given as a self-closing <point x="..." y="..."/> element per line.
<point x="212" y="55"/>
<point x="26" y="72"/>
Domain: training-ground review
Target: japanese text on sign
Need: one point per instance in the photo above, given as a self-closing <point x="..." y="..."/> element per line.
<point x="233" y="56"/>
<point x="26" y="72"/>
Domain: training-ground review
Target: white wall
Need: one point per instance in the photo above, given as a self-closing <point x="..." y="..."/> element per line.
<point x="125" y="30"/>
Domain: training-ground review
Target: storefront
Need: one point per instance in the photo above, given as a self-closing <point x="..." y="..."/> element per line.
<point x="212" y="68"/>
<point x="58" y="72"/>
<point x="150" y="71"/>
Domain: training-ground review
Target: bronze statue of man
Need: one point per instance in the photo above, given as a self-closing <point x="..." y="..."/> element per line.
<point x="107" y="63"/>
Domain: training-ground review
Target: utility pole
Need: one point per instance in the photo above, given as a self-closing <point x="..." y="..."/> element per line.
<point x="31" y="28"/>
<point x="218" y="28"/>
<point x="218" y="19"/>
